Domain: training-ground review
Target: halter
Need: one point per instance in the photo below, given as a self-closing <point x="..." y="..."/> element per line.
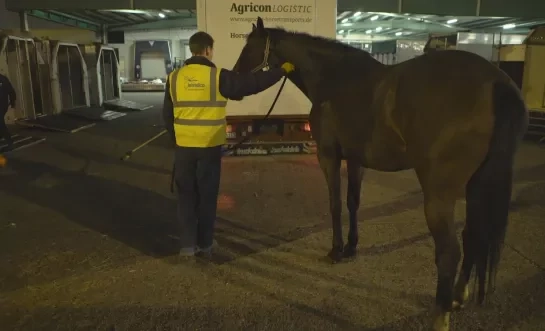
<point x="266" y="54"/>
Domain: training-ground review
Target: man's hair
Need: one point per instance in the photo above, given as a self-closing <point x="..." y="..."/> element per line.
<point x="199" y="42"/>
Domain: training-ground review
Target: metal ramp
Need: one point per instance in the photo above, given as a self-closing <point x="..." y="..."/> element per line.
<point x="120" y="104"/>
<point x="20" y="142"/>
<point x="61" y="122"/>
<point x="94" y="113"/>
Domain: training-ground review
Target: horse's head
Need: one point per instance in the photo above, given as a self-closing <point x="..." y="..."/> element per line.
<point x="259" y="51"/>
<point x="262" y="51"/>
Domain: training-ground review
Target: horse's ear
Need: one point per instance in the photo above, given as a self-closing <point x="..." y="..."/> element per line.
<point x="253" y="27"/>
<point x="260" y="25"/>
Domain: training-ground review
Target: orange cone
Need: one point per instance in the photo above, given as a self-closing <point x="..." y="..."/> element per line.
<point x="3" y="161"/>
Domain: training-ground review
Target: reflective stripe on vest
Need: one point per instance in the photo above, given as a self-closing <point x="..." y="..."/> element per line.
<point x="199" y="114"/>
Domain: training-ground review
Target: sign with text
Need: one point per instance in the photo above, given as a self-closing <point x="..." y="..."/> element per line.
<point x="264" y="149"/>
<point x="229" y="23"/>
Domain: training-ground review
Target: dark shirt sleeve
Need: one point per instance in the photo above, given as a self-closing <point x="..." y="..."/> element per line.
<point x="10" y="91"/>
<point x="168" y="112"/>
<point x="236" y="86"/>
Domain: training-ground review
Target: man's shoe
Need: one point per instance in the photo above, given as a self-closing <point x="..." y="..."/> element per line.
<point x="205" y="256"/>
<point x="214" y="246"/>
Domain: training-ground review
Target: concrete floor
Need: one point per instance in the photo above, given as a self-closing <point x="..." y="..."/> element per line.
<point x="84" y="244"/>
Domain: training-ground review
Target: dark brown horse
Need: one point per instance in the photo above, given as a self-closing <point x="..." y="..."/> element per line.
<point x="452" y="116"/>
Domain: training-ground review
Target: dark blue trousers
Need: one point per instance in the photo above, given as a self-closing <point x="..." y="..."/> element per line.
<point x="4" y="132"/>
<point x="197" y="178"/>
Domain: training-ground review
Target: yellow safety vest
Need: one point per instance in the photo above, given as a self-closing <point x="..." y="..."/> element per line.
<point x="199" y="107"/>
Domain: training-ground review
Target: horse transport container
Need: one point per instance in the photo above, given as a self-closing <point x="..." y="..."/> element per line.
<point x="105" y="81"/>
<point x="22" y="64"/>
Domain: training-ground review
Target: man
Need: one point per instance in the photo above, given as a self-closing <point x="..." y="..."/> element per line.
<point x="7" y="98"/>
<point x="194" y="115"/>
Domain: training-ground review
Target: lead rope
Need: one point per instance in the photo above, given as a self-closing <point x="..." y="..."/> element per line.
<point x="245" y="139"/>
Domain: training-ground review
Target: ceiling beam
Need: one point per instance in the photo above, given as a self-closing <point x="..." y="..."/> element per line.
<point x="190" y="22"/>
<point x="64" y="19"/>
<point x="361" y="37"/>
<point x="397" y="24"/>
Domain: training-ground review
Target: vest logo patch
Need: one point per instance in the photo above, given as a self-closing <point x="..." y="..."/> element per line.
<point x="193" y="84"/>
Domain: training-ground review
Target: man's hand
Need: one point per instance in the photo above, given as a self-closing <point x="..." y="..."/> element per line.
<point x="288" y="67"/>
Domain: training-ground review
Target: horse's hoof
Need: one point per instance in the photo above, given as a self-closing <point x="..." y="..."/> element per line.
<point x="349" y="251"/>
<point x="336" y="255"/>
<point x="461" y="295"/>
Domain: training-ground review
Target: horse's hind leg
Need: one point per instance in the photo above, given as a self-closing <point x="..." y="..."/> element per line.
<point x="439" y="208"/>
<point x="330" y="162"/>
<point x="355" y="177"/>
<point x="473" y="212"/>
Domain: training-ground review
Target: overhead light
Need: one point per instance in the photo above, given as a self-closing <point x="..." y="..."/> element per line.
<point x="356" y="14"/>
<point x="341" y="31"/>
<point x="379" y="28"/>
<point x="345" y="20"/>
<point x="452" y="21"/>
<point x="399" y="33"/>
<point x="368" y="31"/>
<point x="509" y="26"/>
<point x="374" y="18"/>
<point x="348" y="24"/>
<point x="161" y="15"/>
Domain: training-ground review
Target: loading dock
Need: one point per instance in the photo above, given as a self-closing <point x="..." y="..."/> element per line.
<point x="155" y="46"/>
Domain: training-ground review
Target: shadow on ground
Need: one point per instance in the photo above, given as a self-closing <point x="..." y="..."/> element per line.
<point x="140" y="218"/>
<point x="144" y="220"/>
<point x="512" y="299"/>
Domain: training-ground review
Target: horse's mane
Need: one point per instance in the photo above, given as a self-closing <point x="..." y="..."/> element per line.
<point x="323" y="45"/>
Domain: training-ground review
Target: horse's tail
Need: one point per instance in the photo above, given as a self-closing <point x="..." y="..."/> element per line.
<point x="491" y="186"/>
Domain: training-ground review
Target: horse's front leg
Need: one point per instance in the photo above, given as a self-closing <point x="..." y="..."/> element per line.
<point x="355" y="177"/>
<point x="330" y="162"/>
